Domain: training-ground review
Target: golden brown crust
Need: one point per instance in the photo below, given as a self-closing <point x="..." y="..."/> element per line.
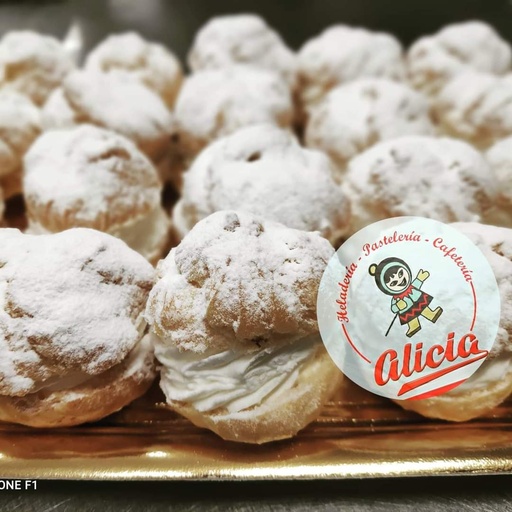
<point x="85" y="164"/>
<point x="151" y="62"/>
<point x="473" y="400"/>
<point x="12" y="184"/>
<point x="219" y="266"/>
<point x="279" y="417"/>
<point x="103" y="99"/>
<point x="94" y="399"/>
<point x="457" y="406"/>
<point x="46" y="332"/>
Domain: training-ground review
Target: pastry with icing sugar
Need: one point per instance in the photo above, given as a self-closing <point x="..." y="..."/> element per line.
<point x="476" y="107"/>
<point x="499" y="157"/>
<point x="215" y="103"/>
<point x="242" y="39"/>
<point x="434" y="60"/>
<point x="90" y="177"/>
<point x="234" y="309"/>
<point x="117" y="101"/>
<point x="151" y="62"/>
<point x="20" y="124"/>
<point x="342" y="54"/>
<point x="73" y="341"/>
<point x="491" y="384"/>
<point x="32" y="64"/>
<point x="263" y="169"/>
<point x="439" y="178"/>
<point x="357" y="115"/>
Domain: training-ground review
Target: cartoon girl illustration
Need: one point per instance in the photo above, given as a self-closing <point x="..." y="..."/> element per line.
<point x="393" y="277"/>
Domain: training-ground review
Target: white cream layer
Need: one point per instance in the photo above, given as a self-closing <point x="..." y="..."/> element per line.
<point x="234" y="381"/>
<point x="135" y="361"/>
<point x="145" y="234"/>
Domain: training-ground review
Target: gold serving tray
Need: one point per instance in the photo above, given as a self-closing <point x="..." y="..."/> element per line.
<point x="358" y="435"/>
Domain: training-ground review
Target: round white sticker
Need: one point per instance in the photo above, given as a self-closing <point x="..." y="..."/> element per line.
<point x="408" y="308"/>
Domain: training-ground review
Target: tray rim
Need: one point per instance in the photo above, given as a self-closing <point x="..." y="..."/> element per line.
<point x="497" y="462"/>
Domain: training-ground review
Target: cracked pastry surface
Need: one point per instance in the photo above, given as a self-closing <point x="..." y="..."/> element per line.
<point x="242" y="39"/>
<point x="357" y="115"/>
<point x="234" y="309"/>
<point x="32" y="64"/>
<point x="491" y="384"/>
<point x="215" y="103"/>
<point x="341" y="54"/>
<point x="151" y="62"/>
<point x="432" y="61"/>
<point x="70" y="318"/>
<point x="439" y="178"/>
<point x="20" y="124"/>
<point x="263" y="170"/>
<point x="90" y="177"/>
<point x="116" y="101"/>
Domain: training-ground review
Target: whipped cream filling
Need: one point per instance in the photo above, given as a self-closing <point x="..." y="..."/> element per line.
<point x="135" y="361"/>
<point x="232" y="380"/>
<point x="145" y="234"/>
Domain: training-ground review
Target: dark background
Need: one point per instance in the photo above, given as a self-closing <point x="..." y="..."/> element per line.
<point x="174" y="23"/>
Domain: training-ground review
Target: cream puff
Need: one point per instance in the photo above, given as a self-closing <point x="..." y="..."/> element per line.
<point x="20" y="124"/>
<point x="151" y="62"/>
<point x="215" y="103"/>
<point x="91" y="177"/>
<point x="117" y="101"/>
<point x="439" y="178"/>
<point x="262" y="169"/>
<point x="491" y="384"/>
<point x="357" y="115"/>
<point x="432" y="61"/>
<point x="73" y="339"/>
<point x="234" y="309"/>
<point x="33" y="64"/>
<point x="499" y="158"/>
<point x="242" y="39"/>
<point x="341" y="54"/>
<point x="476" y="107"/>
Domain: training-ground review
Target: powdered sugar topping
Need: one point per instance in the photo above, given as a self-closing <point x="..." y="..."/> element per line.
<point x="357" y="115"/>
<point x="116" y="100"/>
<point x="499" y="157"/>
<point x="70" y="302"/>
<point x="88" y="176"/>
<point x="33" y="64"/>
<point x="477" y="107"/>
<point x="443" y="179"/>
<point x="434" y="60"/>
<point x="238" y="282"/>
<point x="243" y="39"/>
<point x="215" y="103"/>
<point x="341" y="54"/>
<point x="496" y="245"/>
<point x="20" y="123"/>
<point x="151" y="62"/>
<point x="262" y="169"/>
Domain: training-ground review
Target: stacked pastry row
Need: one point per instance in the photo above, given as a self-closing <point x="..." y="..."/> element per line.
<point x="233" y="306"/>
<point x="230" y="313"/>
